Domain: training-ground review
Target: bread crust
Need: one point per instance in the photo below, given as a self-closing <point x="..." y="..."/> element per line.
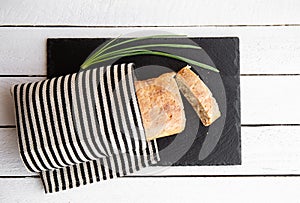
<point x="198" y="95"/>
<point x="161" y="106"/>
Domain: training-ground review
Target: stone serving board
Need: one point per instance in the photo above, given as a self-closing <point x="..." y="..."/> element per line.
<point x="219" y="144"/>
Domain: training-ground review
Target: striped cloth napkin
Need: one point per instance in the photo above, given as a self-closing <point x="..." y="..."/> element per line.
<point x="82" y="128"/>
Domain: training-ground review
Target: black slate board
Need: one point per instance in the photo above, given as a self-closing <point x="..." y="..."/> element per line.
<point x="65" y="56"/>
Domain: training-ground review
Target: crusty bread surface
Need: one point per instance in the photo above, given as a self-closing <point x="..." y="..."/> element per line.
<point x="161" y="106"/>
<point x="198" y="95"/>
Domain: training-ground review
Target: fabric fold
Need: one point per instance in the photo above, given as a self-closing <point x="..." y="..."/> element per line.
<point x="82" y="128"/>
<point x="96" y="171"/>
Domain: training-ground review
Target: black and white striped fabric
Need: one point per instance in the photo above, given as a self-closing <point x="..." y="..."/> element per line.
<point x="82" y="128"/>
<point x="98" y="170"/>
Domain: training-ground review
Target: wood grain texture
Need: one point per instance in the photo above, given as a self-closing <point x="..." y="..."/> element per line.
<point x="264" y="99"/>
<point x="149" y="12"/>
<point x="265" y="150"/>
<point x="270" y="100"/>
<point x="263" y="50"/>
<point x="271" y="189"/>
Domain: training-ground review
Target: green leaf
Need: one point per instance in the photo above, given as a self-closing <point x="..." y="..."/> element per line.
<point x="147" y="52"/>
<point x="100" y="50"/>
<point x="103" y="49"/>
<point x="102" y="54"/>
<point x="182" y="46"/>
<point x="142" y="38"/>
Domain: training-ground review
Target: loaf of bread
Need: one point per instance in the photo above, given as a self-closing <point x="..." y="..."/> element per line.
<point x="198" y="95"/>
<point x="161" y="106"/>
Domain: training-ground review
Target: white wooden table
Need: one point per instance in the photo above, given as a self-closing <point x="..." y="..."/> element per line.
<point x="269" y="33"/>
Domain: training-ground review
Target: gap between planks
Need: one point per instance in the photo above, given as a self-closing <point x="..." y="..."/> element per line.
<point x="258" y="74"/>
<point x="242" y="125"/>
<point x="181" y="176"/>
<point x="148" y="26"/>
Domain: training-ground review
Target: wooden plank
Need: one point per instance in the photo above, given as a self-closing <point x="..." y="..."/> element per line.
<point x="265" y="150"/>
<point x="10" y="158"/>
<point x="260" y="96"/>
<point x="263" y="50"/>
<point x="149" y="13"/>
<point x="268" y="189"/>
<point x="270" y="99"/>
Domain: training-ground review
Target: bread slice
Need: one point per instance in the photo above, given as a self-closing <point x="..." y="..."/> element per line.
<point x="161" y="106"/>
<point x="198" y="95"/>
